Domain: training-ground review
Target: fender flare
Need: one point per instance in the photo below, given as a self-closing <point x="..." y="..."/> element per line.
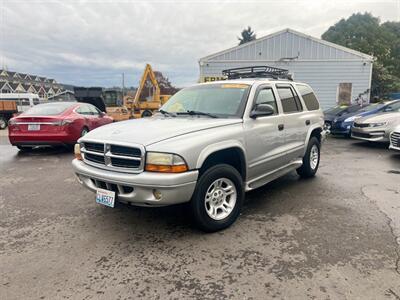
<point x="210" y="149"/>
<point x="310" y="130"/>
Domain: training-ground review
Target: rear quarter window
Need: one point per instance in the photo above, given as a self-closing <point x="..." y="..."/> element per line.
<point x="308" y="96"/>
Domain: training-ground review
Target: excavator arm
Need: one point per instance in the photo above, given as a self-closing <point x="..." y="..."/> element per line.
<point x="148" y="72"/>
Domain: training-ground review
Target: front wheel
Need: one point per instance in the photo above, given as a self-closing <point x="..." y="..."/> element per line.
<point x="310" y="159"/>
<point x="218" y="198"/>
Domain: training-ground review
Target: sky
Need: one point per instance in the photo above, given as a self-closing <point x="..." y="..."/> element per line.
<point x="91" y="43"/>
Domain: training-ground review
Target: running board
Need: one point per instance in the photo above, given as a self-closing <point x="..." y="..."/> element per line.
<point x="264" y="179"/>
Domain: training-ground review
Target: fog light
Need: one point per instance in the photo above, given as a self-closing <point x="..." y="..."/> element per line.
<point x="157" y="194"/>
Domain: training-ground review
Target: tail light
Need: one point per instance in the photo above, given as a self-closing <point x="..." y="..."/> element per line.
<point x="64" y="122"/>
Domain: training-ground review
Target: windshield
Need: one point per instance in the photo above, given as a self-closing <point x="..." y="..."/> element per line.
<point x="371" y="107"/>
<point x="222" y="100"/>
<point x="48" y="109"/>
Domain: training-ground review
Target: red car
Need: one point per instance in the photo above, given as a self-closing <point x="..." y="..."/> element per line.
<point x="57" y="123"/>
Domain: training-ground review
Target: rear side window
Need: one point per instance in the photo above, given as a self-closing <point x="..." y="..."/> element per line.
<point x="48" y="109"/>
<point x="266" y="96"/>
<point x="308" y="96"/>
<point x="84" y="110"/>
<point x="290" y="102"/>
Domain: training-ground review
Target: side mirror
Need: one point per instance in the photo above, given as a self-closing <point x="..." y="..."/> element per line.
<point x="261" y="110"/>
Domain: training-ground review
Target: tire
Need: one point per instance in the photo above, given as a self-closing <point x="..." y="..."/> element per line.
<point x="25" y="148"/>
<point x="146" y="113"/>
<point x="311" y="159"/>
<point x="84" y="131"/>
<point x="203" y="205"/>
<point x="3" y="123"/>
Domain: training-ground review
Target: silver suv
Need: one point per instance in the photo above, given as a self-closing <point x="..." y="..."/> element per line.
<point x="209" y="145"/>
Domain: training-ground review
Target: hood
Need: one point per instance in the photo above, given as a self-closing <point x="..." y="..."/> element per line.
<point x="148" y="131"/>
<point x="380" y="118"/>
<point x="345" y="116"/>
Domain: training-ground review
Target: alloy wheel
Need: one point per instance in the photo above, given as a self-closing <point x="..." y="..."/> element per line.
<point x="220" y="198"/>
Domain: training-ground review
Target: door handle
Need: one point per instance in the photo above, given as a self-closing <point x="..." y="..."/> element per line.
<point x="281" y="127"/>
<point x="308" y="122"/>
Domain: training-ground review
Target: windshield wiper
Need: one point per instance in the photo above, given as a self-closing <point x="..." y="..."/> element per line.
<point x="167" y="113"/>
<point x="197" y="113"/>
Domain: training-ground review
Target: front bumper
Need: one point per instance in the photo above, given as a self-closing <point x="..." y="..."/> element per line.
<point x="395" y="141"/>
<point x="340" y="128"/>
<point x="38" y="139"/>
<point x="138" y="189"/>
<point x="369" y="134"/>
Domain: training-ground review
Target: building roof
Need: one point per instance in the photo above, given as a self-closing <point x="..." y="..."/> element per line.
<point x="296" y="45"/>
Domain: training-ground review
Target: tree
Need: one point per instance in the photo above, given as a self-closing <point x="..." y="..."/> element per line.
<point x="247" y="36"/>
<point x="364" y="33"/>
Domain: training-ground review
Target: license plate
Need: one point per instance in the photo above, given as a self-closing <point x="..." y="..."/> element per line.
<point x="105" y="197"/>
<point x="33" y="127"/>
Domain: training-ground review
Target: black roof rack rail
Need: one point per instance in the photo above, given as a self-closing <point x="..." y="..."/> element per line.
<point x="257" y="72"/>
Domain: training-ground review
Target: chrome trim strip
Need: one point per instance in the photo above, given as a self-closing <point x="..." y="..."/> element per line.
<point x="92" y="152"/>
<point x="109" y="154"/>
<point x="36" y="123"/>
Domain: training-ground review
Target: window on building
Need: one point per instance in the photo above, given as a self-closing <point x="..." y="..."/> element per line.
<point x="308" y="96"/>
<point x="290" y="101"/>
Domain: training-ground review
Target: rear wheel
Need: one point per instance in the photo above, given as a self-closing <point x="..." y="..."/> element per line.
<point x="310" y="159"/>
<point x="84" y="131"/>
<point x="218" y="198"/>
<point x="147" y="113"/>
<point x="3" y="123"/>
<point x="24" y="148"/>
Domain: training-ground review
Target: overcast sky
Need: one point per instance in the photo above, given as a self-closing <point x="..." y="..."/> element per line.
<point x="93" y="42"/>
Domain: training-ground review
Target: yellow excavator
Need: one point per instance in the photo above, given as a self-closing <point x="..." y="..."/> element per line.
<point x="148" y="97"/>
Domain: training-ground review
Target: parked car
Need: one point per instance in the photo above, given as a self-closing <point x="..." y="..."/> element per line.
<point x="376" y="128"/>
<point x="342" y="125"/>
<point x="211" y="143"/>
<point x="395" y="139"/>
<point x="338" y="111"/>
<point x="57" y="123"/>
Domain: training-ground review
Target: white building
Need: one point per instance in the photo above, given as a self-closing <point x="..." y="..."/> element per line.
<point x="336" y="73"/>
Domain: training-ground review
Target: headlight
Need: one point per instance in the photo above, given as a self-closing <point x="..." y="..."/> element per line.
<point x="165" y="163"/>
<point x="350" y="119"/>
<point x="77" y="152"/>
<point x="11" y="122"/>
<point x="377" y="124"/>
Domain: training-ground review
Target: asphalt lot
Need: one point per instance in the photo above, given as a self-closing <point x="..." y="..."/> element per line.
<point x="333" y="237"/>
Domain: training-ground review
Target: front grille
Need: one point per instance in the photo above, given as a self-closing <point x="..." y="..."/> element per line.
<point x="361" y="125"/>
<point x="124" y="163"/>
<point x="95" y="147"/>
<point x="94" y="158"/>
<point x="395" y="139"/>
<point x="125" y="151"/>
<point x="113" y="156"/>
<point x="117" y="188"/>
<point x="361" y="135"/>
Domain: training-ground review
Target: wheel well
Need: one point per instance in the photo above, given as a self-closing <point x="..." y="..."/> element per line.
<point x="317" y="133"/>
<point x="231" y="156"/>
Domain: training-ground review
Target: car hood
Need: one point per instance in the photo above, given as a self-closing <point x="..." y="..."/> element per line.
<point x="147" y="131"/>
<point x="379" y="118"/>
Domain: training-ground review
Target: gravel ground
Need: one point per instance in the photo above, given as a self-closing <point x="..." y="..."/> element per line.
<point x="336" y="236"/>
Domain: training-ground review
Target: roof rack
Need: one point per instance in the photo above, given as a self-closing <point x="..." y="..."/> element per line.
<point x="257" y="72"/>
